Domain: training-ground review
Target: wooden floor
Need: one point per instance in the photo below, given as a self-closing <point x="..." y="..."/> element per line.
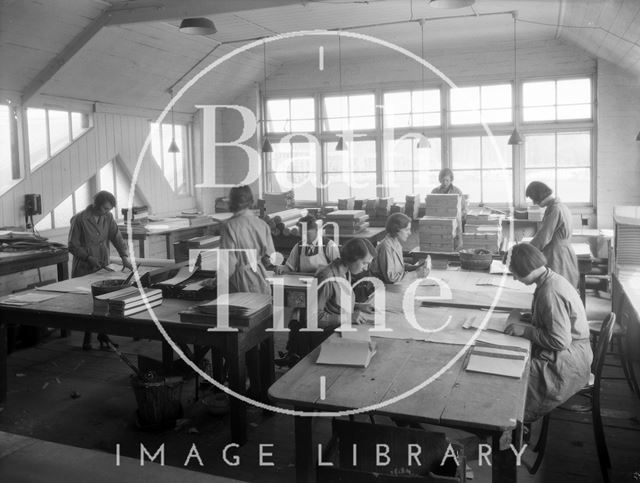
<point x="43" y="378"/>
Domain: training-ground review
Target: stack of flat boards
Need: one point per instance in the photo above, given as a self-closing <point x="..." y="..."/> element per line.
<point x="346" y="203"/>
<point x="487" y="237"/>
<point x="126" y="301"/>
<point x="437" y="234"/>
<point x="412" y="206"/>
<point x="278" y="201"/>
<point x="349" y="221"/>
<point x="241" y="306"/>
<point x="627" y="235"/>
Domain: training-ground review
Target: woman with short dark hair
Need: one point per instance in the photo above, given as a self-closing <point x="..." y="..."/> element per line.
<point x="90" y="233"/>
<point x="561" y="354"/>
<point x="244" y="230"/>
<point x="388" y="264"/>
<point x="553" y="238"/>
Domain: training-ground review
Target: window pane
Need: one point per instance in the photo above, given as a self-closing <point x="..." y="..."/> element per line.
<point x="6" y="171"/>
<point x="494" y="97"/>
<point x="106" y="178"/>
<point x="364" y="156"/>
<point x="44" y="223"/>
<point x="540" y="150"/>
<point x="426" y="107"/>
<point x="574" y="149"/>
<point x="336" y="111"/>
<point x="465" y="152"/>
<point x="574" y="91"/>
<point x="399" y="183"/>
<point x="538" y="94"/>
<point x="363" y="185"/>
<point x="577" y="111"/>
<point x="79" y="123"/>
<point x="465" y="105"/>
<point x="497" y="186"/>
<point x="58" y="130"/>
<point x="83" y="197"/>
<point x="468" y="182"/>
<point x="426" y="181"/>
<point x="278" y="109"/>
<point x="574" y="185"/>
<point x="336" y="187"/>
<point x="37" y="127"/>
<point x="305" y="187"/>
<point x="400" y="155"/>
<point x="496" y="152"/>
<point x="302" y="108"/>
<point x="63" y="212"/>
<point x="179" y="160"/>
<point x="397" y="109"/>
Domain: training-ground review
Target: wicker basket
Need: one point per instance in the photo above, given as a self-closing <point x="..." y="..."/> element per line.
<point x="478" y="259"/>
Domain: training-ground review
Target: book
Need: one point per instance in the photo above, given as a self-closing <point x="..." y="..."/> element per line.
<point x="192" y="315"/>
<point x="497" y="361"/>
<point x="347" y="349"/>
<point x="241" y="304"/>
<point x="134" y="309"/>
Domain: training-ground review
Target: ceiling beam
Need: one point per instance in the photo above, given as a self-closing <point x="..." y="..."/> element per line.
<point x="125" y="12"/>
<point x="63" y="57"/>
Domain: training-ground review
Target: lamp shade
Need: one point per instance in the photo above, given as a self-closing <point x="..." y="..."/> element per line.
<point x="451" y="3"/>
<point x="341" y="145"/>
<point x="266" y="146"/>
<point x="173" y="147"/>
<point x="515" y="138"/>
<point x="424" y="142"/>
<point x="197" y="26"/>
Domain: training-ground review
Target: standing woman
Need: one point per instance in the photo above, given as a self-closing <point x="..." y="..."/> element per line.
<point x="89" y="236"/>
<point x="244" y="230"/>
<point x="553" y="238"/>
<point x="447" y="188"/>
<point x="388" y="264"/>
<point x="561" y="354"/>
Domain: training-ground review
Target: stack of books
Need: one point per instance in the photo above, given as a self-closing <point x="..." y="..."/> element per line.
<point x="242" y="307"/>
<point x="437" y="234"/>
<point x="126" y="301"/>
<point x="349" y="221"/>
<point x="448" y="206"/>
<point x="487" y="237"/>
<point x="360" y="204"/>
<point x="278" y="201"/>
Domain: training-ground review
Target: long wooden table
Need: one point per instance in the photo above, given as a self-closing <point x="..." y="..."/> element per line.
<point x="483" y="403"/>
<point x="75" y="311"/>
<point x="18" y="261"/>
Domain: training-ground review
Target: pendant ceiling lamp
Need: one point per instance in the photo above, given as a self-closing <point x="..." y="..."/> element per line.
<point x="423" y="143"/>
<point x="173" y="147"/>
<point x="341" y="145"/>
<point x="266" y="144"/>
<point x="197" y="26"/>
<point x="516" y="138"/>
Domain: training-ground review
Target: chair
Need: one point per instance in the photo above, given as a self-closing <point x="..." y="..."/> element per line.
<point x="592" y="390"/>
<point x="365" y="436"/>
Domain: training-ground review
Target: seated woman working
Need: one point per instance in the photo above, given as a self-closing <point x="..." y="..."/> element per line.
<point x="388" y="264"/>
<point x="355" y="257"/>
<point x="309" y="257"/>
<point x="561" y="354"/>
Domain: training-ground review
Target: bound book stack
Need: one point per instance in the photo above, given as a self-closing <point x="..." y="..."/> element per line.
<point x="346" y="204"/>
<point x="487" y="237"/>
<point x="126" y="301"/>
<point x="360" y="204"/>
<point x="437" y="234"/>
<point x="278" y="201"/>
<point x="448" y="206"/>
<point x="242" y="307"/>
<point x="412" y="206"/>
<point x="349" y="221"/>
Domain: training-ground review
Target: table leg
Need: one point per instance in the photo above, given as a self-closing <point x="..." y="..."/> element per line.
<point x="267" y="369"/>
<point x="503" y="467"/>
<point x="63" y="271"/>
<point x="304" y="449"/>
<point x="167" y="356"/>
<point x="237" y="383"/>
<point x="3" y="364"/>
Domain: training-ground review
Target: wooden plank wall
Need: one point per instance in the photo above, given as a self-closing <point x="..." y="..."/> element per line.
<point x="112" y="135"/>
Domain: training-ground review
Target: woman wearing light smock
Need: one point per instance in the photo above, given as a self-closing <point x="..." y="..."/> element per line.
<point x="312" y="255"/>
<point x="355" y="257"/>
<point x="561" y="354"/>
<point x="89" y="236"/>
<point x="244" y="230"/>
<point x="388" y="264"/>
<point x="553" y="238"/>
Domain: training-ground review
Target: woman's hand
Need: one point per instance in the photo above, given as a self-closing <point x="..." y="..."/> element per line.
<point x="526" y="317"/>
<point x="280" y="269"/>
<point x="126" y="263"/>
<point x="358" y="318"/>
<point x="365" y="308"/>
<point x="515" y="329"/>
<point x="422" y="271"/>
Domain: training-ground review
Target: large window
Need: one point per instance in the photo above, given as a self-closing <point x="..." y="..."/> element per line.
<point x="476" y="104"/>
<point x="351" y="172"/>
<point x="50" y="131"/>
<point x="60" y="216"/>
<point x="6" y="151"/>
<point x="114" y="179"/>
<point x="482" y="166"/>
<point x="556" y="100"/>
<point x="385" y="132"/>
<point x="173" y="164"/>
<point x="562" y="161"/>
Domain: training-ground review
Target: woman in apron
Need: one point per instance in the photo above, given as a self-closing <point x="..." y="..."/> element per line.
<point x="553" y="238"/>
<point x="559" y="333"/>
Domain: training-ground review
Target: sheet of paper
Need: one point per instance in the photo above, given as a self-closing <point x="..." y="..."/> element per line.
<point x="498" y="268"/>
<point x="498" y="366"/>
<point x="28" y="298"/>
<point x="497" y="339"/>
<point x="498" y="321"/>
<point x="183" y="274"/>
